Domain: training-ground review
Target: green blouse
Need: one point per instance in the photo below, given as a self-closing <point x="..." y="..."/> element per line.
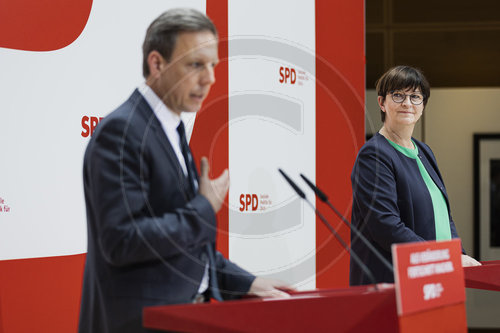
<point x="441" y="215"/>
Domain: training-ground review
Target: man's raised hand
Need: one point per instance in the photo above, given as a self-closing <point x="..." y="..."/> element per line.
<point x="215" y="190"/>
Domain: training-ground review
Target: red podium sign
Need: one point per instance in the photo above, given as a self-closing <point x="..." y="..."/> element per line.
<point x="428" y="275"/>
<point x="430" y="291"/>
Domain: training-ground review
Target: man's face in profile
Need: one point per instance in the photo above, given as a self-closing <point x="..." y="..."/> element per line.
<point x="185" y="80"/>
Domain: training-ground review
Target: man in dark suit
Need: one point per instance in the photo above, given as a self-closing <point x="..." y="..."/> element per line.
<point x="151" y="217"/>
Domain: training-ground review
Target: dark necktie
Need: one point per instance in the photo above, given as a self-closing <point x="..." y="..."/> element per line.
<point x="188" y="159"/>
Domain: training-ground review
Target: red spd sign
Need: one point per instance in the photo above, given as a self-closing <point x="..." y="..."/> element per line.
<point x="428" y="275"/>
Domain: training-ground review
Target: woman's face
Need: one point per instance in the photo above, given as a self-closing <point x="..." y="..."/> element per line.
<point x="402" y="107"/>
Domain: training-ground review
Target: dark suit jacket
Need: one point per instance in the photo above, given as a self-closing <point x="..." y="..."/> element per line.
<point x="391" y="203"/>
<point x="147" y="233"/>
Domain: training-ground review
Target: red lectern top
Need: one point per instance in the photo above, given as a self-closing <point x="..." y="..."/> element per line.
<point x="358" y="309"/>
<point x="486" y="276"/>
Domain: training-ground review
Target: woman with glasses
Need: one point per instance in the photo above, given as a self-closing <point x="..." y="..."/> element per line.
<point x="398" y="191"/>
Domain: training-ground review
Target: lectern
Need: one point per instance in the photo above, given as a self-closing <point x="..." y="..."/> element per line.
<point x="429" y="297"/>
<point x="357" y="309"/>
<point x="485" y="277"/>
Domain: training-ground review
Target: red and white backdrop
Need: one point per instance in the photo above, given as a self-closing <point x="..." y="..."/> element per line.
<point x="289" y="94"/>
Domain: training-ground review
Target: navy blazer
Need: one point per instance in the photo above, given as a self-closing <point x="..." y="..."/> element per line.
<point x="391" y="203"/>
<point x="147" y="233"/>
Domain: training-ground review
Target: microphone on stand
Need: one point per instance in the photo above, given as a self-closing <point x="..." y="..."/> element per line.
<point x="322" y="196"/>
<point x="353" y="255"/>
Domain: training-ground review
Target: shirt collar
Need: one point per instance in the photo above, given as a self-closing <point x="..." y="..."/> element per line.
<point x="169" y="119"/>
<point x="411" y="153"/>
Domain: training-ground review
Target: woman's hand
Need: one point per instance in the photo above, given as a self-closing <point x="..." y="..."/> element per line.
<point x="469" y="261"/>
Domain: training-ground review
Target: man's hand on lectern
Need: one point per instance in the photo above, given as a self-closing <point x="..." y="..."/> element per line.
<point x="263" y="287"/>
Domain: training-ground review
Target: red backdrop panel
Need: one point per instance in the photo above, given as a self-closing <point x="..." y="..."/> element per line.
<point x="42" y="25"/>
<point x="340" y="86"/>
<point x="340" y="74"/>
<point x="210" y="136"/>
<point x="41" y="294"/>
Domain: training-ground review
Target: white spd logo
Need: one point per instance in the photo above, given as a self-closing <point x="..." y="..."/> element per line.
<point x="432" y="291"/>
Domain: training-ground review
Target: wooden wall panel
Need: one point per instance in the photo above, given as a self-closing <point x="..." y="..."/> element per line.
<point x="455" y="42"/>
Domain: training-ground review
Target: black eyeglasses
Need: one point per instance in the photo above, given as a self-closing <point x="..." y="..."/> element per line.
<point x="399" y="97"/>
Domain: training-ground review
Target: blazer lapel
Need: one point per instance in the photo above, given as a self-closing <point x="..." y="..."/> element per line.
<point x="153" y="125"/>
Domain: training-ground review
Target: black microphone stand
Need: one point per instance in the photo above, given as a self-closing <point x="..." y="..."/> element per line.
<point x="332" y="230"/>
<point x="322" y="196"/>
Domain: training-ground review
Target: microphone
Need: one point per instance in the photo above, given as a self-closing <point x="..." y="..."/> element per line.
<point x="322" y="196"/>
<point x="353" y="255"/>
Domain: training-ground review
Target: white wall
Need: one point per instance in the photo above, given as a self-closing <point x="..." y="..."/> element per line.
<point x="451" y="118"/>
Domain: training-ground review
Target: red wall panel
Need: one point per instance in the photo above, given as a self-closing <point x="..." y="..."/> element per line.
<point x="340" y="86"/>
<point x="41" y="294"/>
<point x="42" y="25"/>
<point x="210" y="136"/>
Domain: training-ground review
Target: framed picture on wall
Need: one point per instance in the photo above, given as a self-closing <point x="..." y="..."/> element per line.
<point x="487" y="196"/>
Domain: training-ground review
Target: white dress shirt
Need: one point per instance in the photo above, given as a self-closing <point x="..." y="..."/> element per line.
<point x="169" y="121"/>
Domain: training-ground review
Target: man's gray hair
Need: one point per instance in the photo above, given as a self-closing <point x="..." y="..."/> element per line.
<point x="162" y="34"/>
